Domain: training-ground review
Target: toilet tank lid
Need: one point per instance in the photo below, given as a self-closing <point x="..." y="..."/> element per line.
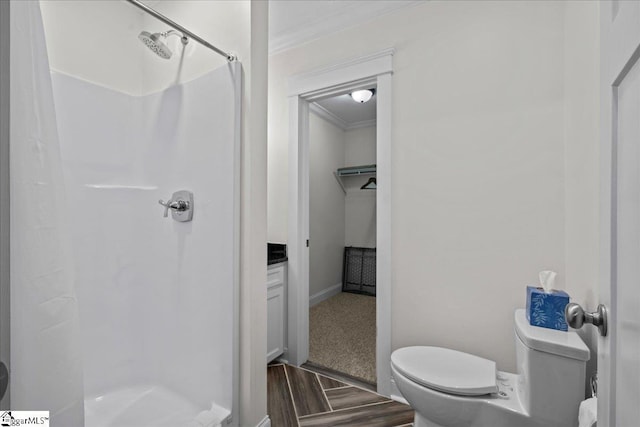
<point x="567" y="344"/>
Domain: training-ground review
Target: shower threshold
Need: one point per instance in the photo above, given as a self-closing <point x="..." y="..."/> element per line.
<point x="152" y="406"/>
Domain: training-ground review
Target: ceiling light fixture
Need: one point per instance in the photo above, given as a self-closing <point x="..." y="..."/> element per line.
<point x="362" y="96"/>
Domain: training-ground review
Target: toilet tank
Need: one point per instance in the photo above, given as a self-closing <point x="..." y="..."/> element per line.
<point x="551" y="366"/>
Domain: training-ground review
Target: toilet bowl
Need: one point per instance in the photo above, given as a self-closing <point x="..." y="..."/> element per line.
<point x="448" y="388"/>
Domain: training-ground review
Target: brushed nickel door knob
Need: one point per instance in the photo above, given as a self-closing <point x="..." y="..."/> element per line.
<point x="576" y="317"/>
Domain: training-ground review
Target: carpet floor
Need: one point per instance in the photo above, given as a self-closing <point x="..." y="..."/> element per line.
<point x="342" y="335"/>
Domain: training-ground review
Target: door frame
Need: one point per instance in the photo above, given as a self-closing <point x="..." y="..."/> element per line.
<point x="360" y="73"/>
<point x="5" y="248"/>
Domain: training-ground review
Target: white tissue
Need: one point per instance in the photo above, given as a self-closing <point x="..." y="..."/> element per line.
<point x="588" y="412"/>
<point x="547" y="280"/>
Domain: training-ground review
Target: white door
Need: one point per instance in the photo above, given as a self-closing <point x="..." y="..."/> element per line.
<point x="4" y="203"/>
<point x="619" y="351"/>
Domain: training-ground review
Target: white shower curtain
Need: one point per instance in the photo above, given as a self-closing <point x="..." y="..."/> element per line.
<point x="46" y="358"/>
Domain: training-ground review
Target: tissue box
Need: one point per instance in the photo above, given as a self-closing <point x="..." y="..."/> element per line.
<point x="546" y="309"/>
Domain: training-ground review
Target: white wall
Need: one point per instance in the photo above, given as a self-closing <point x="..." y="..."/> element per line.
<point x="103" y="46"/>
<point x="360" y="146"/>
<point x="478" y="162"/>
<point x="100" y="47"/>
<point x="581" y="77"/>
<point x="218" y="22"/>
<point x="360" y="219"/>
<point x="239" y="26"/>
<point x="360" y="205"/>
<point x="252" y="51"/>
<point x="326" y="203"/>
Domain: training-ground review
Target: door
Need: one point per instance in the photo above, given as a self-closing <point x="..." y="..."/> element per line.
<point x="619" y="351"/>
<point x="4" y="204"/>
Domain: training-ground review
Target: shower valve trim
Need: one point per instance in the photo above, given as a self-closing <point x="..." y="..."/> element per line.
<point x="181" y="205"/>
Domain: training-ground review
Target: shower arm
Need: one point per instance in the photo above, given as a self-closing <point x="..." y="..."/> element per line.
<point x="230" y="57"/>
<point x="184" y="39"/>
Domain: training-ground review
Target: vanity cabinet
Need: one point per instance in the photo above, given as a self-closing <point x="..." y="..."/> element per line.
<point x="276" y="309"/>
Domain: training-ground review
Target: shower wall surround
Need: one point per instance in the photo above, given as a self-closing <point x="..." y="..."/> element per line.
<point x="155" y="295"/>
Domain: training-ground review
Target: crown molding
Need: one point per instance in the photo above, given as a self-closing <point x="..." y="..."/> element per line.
<point x="325" y="25"/>
<point x="361" y="124"/>
<point x="328" y="115"/>
<point x="337" y="121"/>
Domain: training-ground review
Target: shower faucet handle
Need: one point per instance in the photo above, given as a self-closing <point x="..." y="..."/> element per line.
<point x="181" y="205"/>
<point x="178" y="205"/>
<point x="166" y="205"/>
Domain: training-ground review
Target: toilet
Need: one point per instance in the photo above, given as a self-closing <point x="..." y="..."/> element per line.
<point x="449" y="388"/>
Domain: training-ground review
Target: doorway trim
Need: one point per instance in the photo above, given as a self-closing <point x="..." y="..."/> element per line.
<point x="360" y="73"/>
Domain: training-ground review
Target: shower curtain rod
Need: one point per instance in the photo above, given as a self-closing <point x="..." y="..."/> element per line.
<point x="230" y="57"/>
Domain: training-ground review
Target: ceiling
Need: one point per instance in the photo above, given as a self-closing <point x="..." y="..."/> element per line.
<point x="292" y="23"/>
<point x="346" y="113"/>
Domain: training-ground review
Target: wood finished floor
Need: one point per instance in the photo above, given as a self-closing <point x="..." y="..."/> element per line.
<point x="300" y="398"/>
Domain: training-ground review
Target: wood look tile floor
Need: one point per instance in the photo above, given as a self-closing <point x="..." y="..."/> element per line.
<point x="298" y="397"/>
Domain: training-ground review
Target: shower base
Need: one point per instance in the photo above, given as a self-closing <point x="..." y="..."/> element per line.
<point x="152" y="406"/>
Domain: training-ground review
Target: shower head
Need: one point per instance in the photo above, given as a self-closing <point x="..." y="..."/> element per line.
<point x="156" y="44"/>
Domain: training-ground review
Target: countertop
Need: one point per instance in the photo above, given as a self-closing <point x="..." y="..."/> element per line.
<point x="276" y="253"/>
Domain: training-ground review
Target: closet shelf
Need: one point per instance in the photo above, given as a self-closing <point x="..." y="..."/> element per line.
<point x="353" y="171"/>
<point x="357" y="170"/>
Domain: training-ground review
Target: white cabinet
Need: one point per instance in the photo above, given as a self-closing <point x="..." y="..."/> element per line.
<point x="276" y="310"/>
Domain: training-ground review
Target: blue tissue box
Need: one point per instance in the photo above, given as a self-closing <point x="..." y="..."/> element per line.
<point x="546" y="309"/>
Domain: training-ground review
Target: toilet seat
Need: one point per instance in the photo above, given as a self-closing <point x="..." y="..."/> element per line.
<point x="447" y="370"/>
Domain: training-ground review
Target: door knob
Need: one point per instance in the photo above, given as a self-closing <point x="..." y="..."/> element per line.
<point x="576" y="317"/>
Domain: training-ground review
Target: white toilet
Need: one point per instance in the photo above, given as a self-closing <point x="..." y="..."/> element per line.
<point x="448" y="388"/>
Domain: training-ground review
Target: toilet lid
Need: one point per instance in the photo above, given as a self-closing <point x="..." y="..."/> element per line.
<point x="446" y="370"/>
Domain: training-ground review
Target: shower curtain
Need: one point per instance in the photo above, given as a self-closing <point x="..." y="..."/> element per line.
<point x="46" y="358"/>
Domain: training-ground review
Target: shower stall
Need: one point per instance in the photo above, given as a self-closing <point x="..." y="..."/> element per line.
<point x="124" y="217"/>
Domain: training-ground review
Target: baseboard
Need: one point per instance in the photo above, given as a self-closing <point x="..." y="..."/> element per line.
<point x="282" y="360"/>
<point x="395" y="393"/>
<point x="325" y="294"/>
<point x="266" y="422"/>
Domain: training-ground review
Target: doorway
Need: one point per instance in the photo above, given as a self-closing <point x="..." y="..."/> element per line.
<point x="342" y="236"/>
<point x="371" y="71"/>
